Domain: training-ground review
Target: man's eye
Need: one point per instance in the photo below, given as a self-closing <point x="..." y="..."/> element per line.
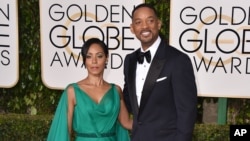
<point x="151" y="21"/>
<point x="137" y="22"/>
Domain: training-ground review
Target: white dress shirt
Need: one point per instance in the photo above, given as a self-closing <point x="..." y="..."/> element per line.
<point x="142" y="69"/>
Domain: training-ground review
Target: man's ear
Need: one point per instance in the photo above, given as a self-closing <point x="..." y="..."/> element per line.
<point x="159" y="24"/>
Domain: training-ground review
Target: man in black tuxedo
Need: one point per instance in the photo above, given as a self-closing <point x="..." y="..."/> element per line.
<point x="160" y="90"/>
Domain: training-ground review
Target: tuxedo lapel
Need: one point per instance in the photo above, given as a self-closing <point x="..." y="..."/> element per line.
<point x="153" y="73"/>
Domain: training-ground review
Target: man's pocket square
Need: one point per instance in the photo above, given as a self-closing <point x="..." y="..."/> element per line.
<point x="160" y="79"/>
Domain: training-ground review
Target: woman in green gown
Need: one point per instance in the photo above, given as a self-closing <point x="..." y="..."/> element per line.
<point x="91" y="109"/>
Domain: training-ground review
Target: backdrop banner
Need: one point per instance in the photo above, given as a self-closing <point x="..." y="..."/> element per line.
<point x="216" y="36"/>
<point x="9" y="59"/>
<point x="66" y="25"/>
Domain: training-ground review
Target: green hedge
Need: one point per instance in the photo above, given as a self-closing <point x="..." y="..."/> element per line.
<point x="211" y="132"/>
<point x="22" y="127"/>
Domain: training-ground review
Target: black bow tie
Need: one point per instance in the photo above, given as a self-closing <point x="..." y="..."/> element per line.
<point x="141" y="55"/>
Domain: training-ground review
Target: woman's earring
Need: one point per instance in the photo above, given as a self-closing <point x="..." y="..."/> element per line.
<point x="106" y="65"/>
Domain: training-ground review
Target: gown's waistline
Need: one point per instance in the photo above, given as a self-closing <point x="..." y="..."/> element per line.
<point x="94" y="135"/>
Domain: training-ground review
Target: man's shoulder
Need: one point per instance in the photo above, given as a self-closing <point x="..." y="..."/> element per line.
<point x="132" y="53"/>
<point x="174" y="49"/>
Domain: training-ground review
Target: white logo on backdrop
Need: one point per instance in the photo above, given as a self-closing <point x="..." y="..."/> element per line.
<point x="9" y="61"/>
<point x="66" y="25"/>
<point x="216" y="36"/>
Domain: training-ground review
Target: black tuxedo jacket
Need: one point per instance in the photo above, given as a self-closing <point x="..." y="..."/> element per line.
<point x="167" y="109"/>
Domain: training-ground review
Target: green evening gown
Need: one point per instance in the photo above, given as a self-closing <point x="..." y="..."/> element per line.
<point x="91" y="121"/>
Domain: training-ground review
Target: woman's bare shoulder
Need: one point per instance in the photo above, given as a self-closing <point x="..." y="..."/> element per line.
<point x="119" y="89"/>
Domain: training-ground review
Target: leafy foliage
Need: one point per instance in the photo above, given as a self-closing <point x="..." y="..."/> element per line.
<point x="23" y="127"/>
<point x="211" y="132"/>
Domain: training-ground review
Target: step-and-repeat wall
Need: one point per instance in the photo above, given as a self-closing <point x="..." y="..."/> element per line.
<point x="215" y="35"/>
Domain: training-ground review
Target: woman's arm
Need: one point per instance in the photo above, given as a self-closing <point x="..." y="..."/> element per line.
<point x="71" y="104"/>
<point x="124" y="116"/>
